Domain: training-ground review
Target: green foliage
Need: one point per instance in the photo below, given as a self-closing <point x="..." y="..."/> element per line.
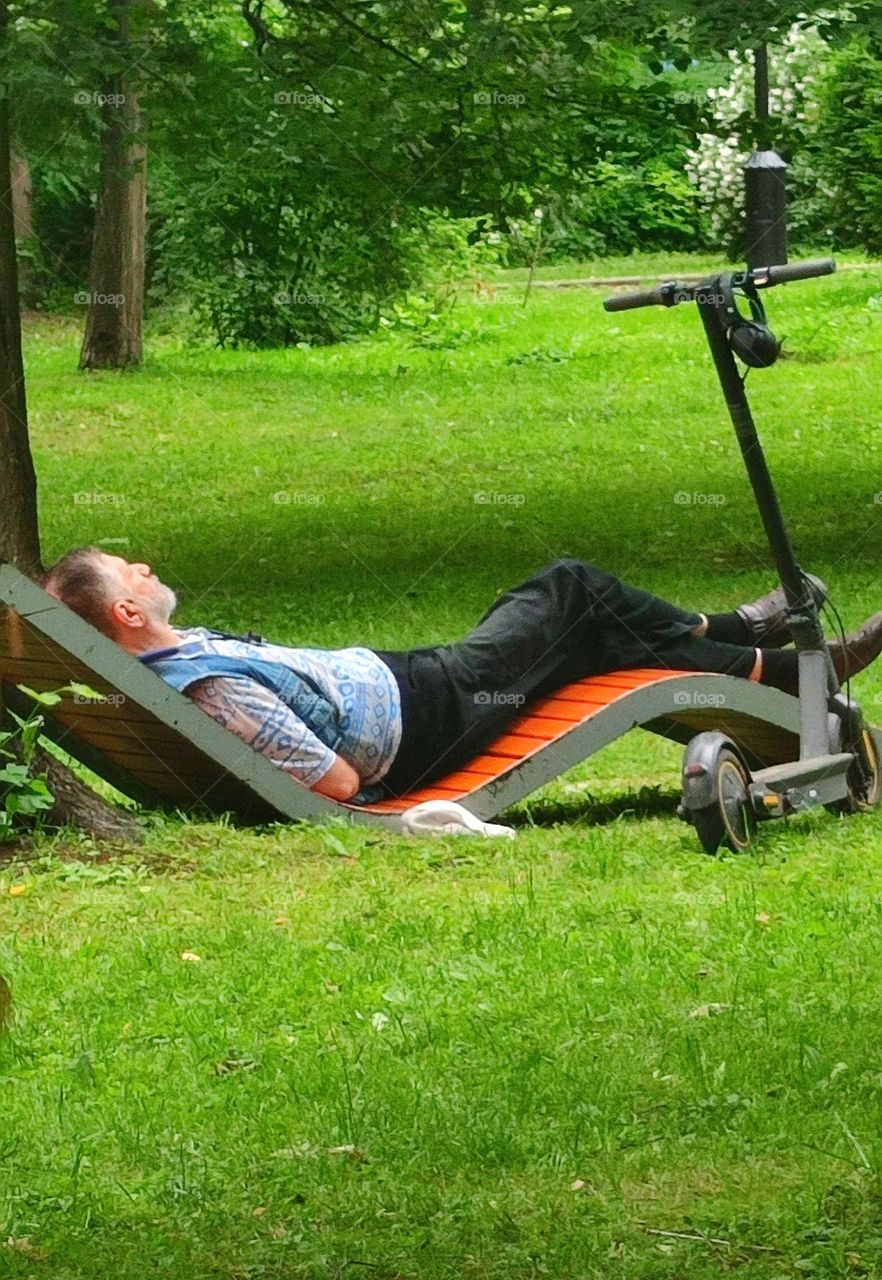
<point x="267" y="268"/>
<point x="849" y="144"/>
<point x="305" y="158"/>
<point x="684" y="28"/>
<point x="24" y="795"/>
<point x="337" y="192"/>
<point x="298" y="196"/>
<point x="626" y="208"/>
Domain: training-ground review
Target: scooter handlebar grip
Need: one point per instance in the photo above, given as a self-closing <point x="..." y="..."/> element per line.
<point x="797" y="270"/>
<point x="628" y="301"/>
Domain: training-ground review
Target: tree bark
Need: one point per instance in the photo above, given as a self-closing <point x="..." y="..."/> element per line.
<point x="19" y="539"/>
<point x="78" y="804"/>
<point x="22" y="189"/>
<point x="113" y="336"/>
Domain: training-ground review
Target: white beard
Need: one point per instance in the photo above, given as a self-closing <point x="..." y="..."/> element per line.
<point x="163" y="608"/>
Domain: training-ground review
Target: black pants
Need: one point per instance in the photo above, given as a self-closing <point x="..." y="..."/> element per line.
<point x="570" y="621"/>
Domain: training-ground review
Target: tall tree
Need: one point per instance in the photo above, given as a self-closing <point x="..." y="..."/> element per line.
<point x="19" y="539"/>
<point x="114" y="323"/>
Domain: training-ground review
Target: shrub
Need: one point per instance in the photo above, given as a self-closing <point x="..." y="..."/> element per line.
<point x="24" y="795"/>
<point x="849" y="145"/>
<point x="623" y="208"/>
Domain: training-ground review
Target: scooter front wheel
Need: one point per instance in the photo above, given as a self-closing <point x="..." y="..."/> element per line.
<point x="713" y="771"/>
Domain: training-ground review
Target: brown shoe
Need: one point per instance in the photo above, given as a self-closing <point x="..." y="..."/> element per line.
<point x="861" y="648"/>
<point x="766" y="618"/>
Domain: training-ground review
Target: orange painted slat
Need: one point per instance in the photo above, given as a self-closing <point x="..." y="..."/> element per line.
<point x="548" y="720"/>
<point x="512" y="744"/>
<point x="577" y="693"/>
<point x="536" y="726"/>
<point x="610" y="688"/>
<point x="387" y="806"/>
<point x="630" y="679"/>
<point x="584" y="707"/>
<point x="567" y="713"/>
<point x="427" y="793"/>
<point x="470" y="779"/>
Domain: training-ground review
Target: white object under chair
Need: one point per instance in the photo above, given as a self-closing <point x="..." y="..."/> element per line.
<point x="447" y="818"/>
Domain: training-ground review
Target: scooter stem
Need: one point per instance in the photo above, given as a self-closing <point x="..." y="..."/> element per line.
<point x="804" y="622"/>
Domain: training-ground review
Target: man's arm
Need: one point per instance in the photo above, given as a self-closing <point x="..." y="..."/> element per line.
<point x="259" y="718"/>
<point x="341" y="782"/>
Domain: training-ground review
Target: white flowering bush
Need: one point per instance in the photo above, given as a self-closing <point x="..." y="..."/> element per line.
<point x="796" y="68"/>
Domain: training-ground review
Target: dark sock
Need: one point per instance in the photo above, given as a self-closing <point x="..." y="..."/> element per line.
<point x="781" y="669"/>
<point x="728" y="627"/>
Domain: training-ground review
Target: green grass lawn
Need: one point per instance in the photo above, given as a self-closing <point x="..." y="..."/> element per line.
<point x="589" y="1052"/>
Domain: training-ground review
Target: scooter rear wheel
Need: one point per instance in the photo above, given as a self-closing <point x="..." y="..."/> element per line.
<point x="864" y="789"/>
<point x="730" y="820"/>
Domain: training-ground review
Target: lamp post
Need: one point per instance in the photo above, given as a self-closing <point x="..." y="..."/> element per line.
<point x="764" y="184"/>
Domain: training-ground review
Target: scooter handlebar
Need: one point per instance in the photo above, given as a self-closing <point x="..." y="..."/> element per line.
<point x="628" y="301"/>
<point x="670" y="292"/>
<point x="765" y="276"/>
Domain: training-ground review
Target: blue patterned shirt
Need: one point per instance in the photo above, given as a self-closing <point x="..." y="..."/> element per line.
<point x="356" y="681"/>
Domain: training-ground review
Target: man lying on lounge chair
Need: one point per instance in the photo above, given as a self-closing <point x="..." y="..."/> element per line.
<point x="357" y="724"/>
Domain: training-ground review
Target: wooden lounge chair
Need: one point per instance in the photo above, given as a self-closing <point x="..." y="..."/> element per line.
<point x="156" y="746"/>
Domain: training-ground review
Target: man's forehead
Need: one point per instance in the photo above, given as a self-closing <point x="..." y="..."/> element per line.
<point x="113" y="562"/>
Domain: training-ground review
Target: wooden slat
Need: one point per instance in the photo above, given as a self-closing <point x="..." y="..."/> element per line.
<point x="150" y="764"/>
<point x="125" y="712"/>
<point x="473" y="777"/>
<point x="116" y="742"/>
<point x="565" y="713"/>
<point x="579" y="697"/>
<point x="516" y="744"/>
<point x="40" y="669"/>
<point x="35" y="649"/>
<point x="110" y="719"/>
<point x="539" y="727"/>
<point x="146" y="730"/>
<point x="438" y="791"/>
<point x="127" y="756"/>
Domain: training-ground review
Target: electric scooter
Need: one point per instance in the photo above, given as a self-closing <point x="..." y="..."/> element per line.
<point x="839" y="755"/>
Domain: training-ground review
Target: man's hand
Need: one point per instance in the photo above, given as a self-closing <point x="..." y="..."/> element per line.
<point x="341" y="782"/>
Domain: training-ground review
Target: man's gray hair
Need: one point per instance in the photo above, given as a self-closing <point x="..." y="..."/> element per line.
<point x="80" y="582"/>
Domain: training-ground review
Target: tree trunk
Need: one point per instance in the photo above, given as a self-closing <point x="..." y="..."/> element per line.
<point x="22" y="195"/>
<point x="113" y="337"/>
<point x="79" y="805"/>
<point x="19" y="540"/>
<point x="22" y="189"/>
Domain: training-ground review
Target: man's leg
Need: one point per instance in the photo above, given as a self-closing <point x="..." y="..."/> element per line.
<point x="569" y="621"/>
<point x="571" y="615"/>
